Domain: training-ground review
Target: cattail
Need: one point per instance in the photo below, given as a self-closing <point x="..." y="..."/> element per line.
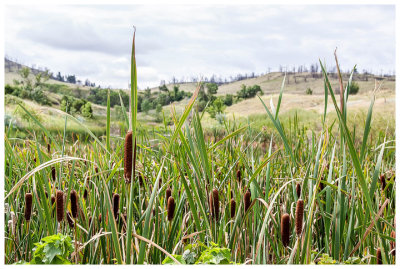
<point x="116" y="205"/>
<point x="299" y="216"/>
<point x="321" y="185"/>
<point x="53" y="173"/>
<point x="28" y="206"/>
<point x="140" y="179"/>
<point x="298" y="190"/>
<point x="70" y="220"/>
<point x="171" y="208"/>
<point x="383" y="181"/>
<point x="239" y="175"/>
<point x="99" y="218"/>
<point x="48" y="147"/>
<point x="285" y="229"/>
<point x="247" y="200"/>
<point x="233" y="208"/>
<point x="168" y="193"/>
<point x="85" y="193"/>
<point x="393" y="243"/>
<point x="378" y="256"/>
<point x="74" y="203"/>
<point x="53" y="200"/>
<point x="214" y="204"/>
<point x="60" y="205"/>
<point x="128" y="157"/>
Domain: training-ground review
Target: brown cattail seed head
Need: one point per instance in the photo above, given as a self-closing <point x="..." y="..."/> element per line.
<point x="233" y="208"/>
<point x="393" y="243"/>
<point x="378" y="256"/>
<point x="239" y="175"/>
<point x="171" y="208"/>
<point x="60" y="205"/>
<point x="70" y="220"/>
<point x="168" y="193"/>
<point x="100" y="218"/>
<point x="299" y="216"/>
<point x="214" y="204"/>
<point x="298" y="190"/>
<point x="53" y="173"/>
<point x="128" y="158"/>
<point x="74" y="204"/>
<point x="285" y="229"/>
<point x="28" y="206"/>
<point x="53" y="200"/>
<point x="383" y="181"/>
<point x="140" y="179"/>
<point x="85" y="193"/>
<point x="247" y="200"/>
<point x="48" y="147"/>
<point x="116" y="205"/>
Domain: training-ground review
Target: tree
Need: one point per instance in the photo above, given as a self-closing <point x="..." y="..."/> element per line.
<point x="216" y="107"/>
<point x="146" y="106"/>
<point x="163" y="88"/>
<point x="354" y="87"/>
<point x="212" y="88"/>
<point x="228" y="100"/>
<point x="87" y="110"/>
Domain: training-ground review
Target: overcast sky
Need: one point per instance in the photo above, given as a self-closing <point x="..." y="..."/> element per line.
<point x="94" y="42"/>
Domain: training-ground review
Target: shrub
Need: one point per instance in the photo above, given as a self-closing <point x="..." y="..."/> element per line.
<point x="309" y="91"/>
<point x="87" y="110"/>
<point x="354" y="87"/>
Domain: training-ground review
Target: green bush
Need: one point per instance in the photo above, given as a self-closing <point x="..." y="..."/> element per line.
<point x="309" y="91"/>
<point x="249" y="91"/>
<point x="87" y="110"/>
<point x="354" y="88"/>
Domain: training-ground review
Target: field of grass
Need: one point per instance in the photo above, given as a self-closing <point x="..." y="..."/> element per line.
<point x="289" y="186"/>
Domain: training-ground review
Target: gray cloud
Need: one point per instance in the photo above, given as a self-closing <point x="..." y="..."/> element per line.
<point x="184" y="41"/>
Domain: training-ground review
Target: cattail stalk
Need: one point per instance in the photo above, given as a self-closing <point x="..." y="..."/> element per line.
<point x="247" y="200"/>
<point x="171" y="208"/>
<point x="60" y="205"/>
<point x="298" y="190"/>
<point x="214" y="204"/>
<point x="378" y="256"/>
<point x="128" y="157"/>
<point x="116" y="205"/>
<point x="285" y="229"/>
<point x="28" y="206"/>
<point x="233" y="208"/>
<point x="74" y="203"/>
<point x="299" y="216"/>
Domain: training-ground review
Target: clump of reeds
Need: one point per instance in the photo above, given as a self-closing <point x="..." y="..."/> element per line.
<point x="60" y="205"/>
<point x="28" y="206"/>
<point x="74" y="203"/>
<point x="214" y="204"/>
<point x="171" y="208"/>
<point x="378" y="256"/>
<point x="247" y="200"/>
<point x="285" y="229"/>
<point x="233" y="208"/>
<point x="382" y="179"/>
<point x="128" y="157"/>
<point x="116" y="205"/>
<point x="298" y="190"/>
<point x="299" y="216"/>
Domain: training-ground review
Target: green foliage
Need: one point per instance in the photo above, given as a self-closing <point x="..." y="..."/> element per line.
<point x="201" y="254"/>
<point x="326" y="259"/>
<point x="87" y="110"/>
<point x="228" y="100"/>
<point x="309" y="91"/>
<point x="145" y="106"/>
<point x="99" y="96"/>
<point x="216" y="107"/>
<point x="212" y="88"/>
<point x="354" y="260"/>
<point x="163" y="88"/>
<point x="354" y="88"/>
<point x="53" y="249"/>
<point x="249" y="91"/>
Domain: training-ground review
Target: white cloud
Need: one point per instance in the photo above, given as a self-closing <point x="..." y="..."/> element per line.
<point x="185" y="41"/>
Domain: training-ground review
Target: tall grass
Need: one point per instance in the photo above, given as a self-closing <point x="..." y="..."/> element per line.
<point x="237" y="192"/>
